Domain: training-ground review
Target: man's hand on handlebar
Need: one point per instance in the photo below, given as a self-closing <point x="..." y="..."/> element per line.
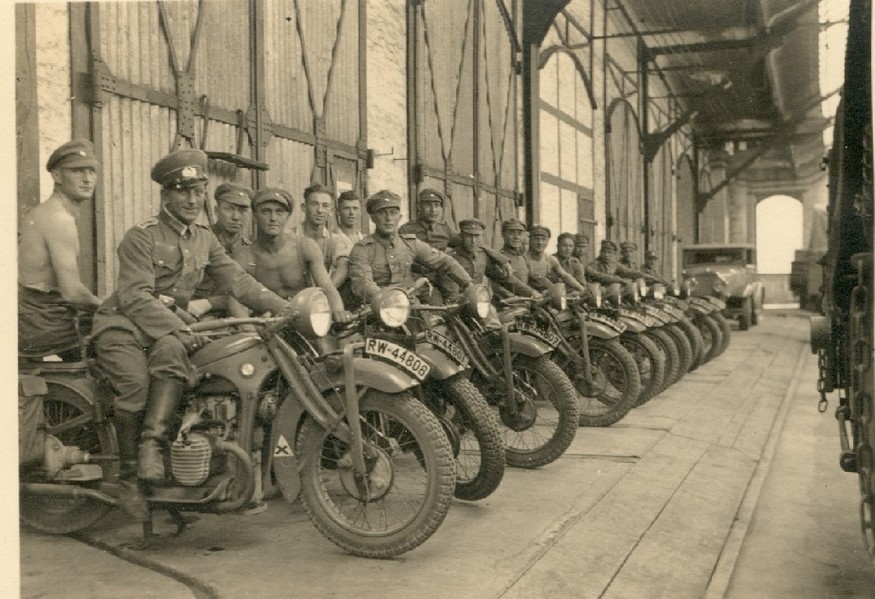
<point x="341" y="316"/>
<point x="191" y="341"/>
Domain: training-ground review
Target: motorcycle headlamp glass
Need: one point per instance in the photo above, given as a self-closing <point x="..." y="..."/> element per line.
<point x="658" y="291"/>
<point x="597" y="296"/>
<point x="314" y="318"/>
<point x="558" y="296"/>
<point x="392" y="307"/>
<point x="477" y="299"/>
<point x="614" y="293"/>
<point x="633" y="292"/>
<point x="642" y="287"/>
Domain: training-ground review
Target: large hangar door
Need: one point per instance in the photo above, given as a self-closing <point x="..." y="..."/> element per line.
<point x="463" y="94"/>
<point x="686" y="194"/>
<point x="624" y="170"/>
<point x="272" y="81"/>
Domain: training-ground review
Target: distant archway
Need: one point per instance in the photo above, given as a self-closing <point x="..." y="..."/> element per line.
<point x="779" y="233"/>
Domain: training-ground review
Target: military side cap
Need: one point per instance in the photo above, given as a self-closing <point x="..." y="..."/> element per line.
<point x="234" y="194"/>
<point x="650" y="254"/>
<point x="539" y="231"/>
<point x="383" y="199"/>
<point x="629" y="245"/>
<point x="76" y="153"/>
<point x="273" y="194"/>
<point x="608" y="244"/>
<point x="181" y="169"/>
<point x="471" y="226"/>
<point x="580" y="238"/>
<point x="513" y="224"/>
<point x="431" y="195"/>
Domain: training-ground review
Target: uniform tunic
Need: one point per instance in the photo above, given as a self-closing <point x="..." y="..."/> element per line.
<point x="436" y="235"/>
<point x="518" y="285"/>
<point x="162" y="257"/>
<point x="376" y="262"/>
<point x="602" y="272"/>
<point x="572" y="266"/>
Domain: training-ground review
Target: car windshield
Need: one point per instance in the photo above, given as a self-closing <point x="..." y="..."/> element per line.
<point x="714" y="256"/>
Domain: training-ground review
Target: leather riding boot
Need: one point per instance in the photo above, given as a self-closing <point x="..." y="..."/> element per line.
<point x="130" y="498"/>
<point x="164" y="396"/>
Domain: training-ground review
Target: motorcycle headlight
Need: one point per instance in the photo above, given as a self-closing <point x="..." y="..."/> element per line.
<point x="633" y="292"/>
<point x="613" y="293"/>
<point x="596" y="290"/>
<point x="392" y="307"/>
<point x="658" y="291"/>
<point x="477" y="299"/>
<point x="642" y="287"/>
<point x="315" y="313"/>
<point x="557" y="295"/>
<point x="687" y="287"/>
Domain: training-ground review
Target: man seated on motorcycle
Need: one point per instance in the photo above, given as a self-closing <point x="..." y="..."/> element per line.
<point x="627" y="259"/>
<point x="606" y="269"/>
<point x="650" y="265"/>
<point x="49" y="288"/>
<point x="386" y="257"/>
<point x="514" y="234"/>
<point x="581" y="246"/>
<point x="280" y="260"/>
<point x="233" y="205"/>
<point x="142" y="345"/>
<point x="544" y="269"/>
<point x="567" y="260"/>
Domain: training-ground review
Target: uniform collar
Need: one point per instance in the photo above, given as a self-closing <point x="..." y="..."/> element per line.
<point x="178" y="227"/>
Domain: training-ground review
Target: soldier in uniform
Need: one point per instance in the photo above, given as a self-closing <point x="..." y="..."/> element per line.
<point x="387" y="256"/>
<point x="284" y="262"/>
<point x="627" y="259"/>
<point x="141" y="343"/>
<point x="650" y="266"/>
<point x="514" y="232"/>
<point x="317" y="205"/>
<point x="581" y="247"/>
<point x="545" y="269"/>
<point x="233" y="204"/>
<point x="567" y="260"/>
<point x="606" y="269"/>
<point x="430" y="227"/>
<point x="49" y="288"/>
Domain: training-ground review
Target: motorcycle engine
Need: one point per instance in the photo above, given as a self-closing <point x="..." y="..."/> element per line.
<point x="193" y="458"/>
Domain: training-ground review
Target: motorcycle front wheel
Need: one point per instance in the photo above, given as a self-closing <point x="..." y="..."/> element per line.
<point x="724" y="328"/>
<point x="669" y="349"/>
<point x="474" y="433"/>
<point x="712" y="334"/>
<point x="408" y="488"/>
<point x="69" y="418"/>
<point x="616" y="370"/>
<point x="651" y="364"/>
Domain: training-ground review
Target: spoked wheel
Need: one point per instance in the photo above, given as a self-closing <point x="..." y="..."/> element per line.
<point x="684" y="349"/>
<point x="475" y="434"/>
<point x="710" y="329"/>
<point x="667" y="345"/>
<point x="69" y="417"/>
<point x="697" y="343"/>
<point x="406" y="492"/>
<point x="650" y="361"/>
<point x="724" y="329"/>
<point x="541" y="423"/>
<point x="622" y="383"/>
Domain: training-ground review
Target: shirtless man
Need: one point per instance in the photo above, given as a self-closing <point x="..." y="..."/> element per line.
<point x="543" y="268"/>
<point x="49" y="287"/>
<point x="283" y="261"/>
<point x="317" y="205"/>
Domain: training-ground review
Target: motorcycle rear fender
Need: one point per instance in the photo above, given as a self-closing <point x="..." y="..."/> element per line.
<point x="442" y="366"/>
<point x="528" y="345"/>
<point x="369" y="373"/>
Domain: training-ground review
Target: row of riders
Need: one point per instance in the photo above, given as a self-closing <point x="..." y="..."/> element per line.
<point x="511" y="350"/>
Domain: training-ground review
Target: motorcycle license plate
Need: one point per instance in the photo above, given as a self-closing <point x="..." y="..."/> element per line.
<point x="676" y="312"/>
<point x="446" y="345"/>
<point x="608" y="322"/>
<point x="403" y="358"/>
<point x="544" y="334"/>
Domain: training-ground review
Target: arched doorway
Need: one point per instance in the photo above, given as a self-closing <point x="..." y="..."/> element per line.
<point x="779" y="233"/>
<point x="686" y="196"/>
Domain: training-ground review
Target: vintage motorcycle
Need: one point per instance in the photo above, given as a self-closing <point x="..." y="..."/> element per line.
<point x="470" y="424"/>
<point x="372" y="465"/>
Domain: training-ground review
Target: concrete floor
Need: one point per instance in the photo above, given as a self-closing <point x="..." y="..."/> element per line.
<point x="727" y="484"/>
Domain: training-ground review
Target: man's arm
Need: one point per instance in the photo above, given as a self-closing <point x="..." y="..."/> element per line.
<point x="594" y="274"/>
<point x="62" y="239"/>
<point x="340" y="266"/>
<point x="361" y="275"/>
<point x="440" y="262"/>
<point x="313" y="258"/>
<point x="561" y="273"/>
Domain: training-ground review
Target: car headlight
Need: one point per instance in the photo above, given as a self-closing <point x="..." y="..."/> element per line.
<point x="557" y="296"/>
<point x="477" y="299"/>
<point x="314" y="318"/>
<point x="596" y="290"/>
<point x="658" y="291"/>
<point x="392" y="307"/>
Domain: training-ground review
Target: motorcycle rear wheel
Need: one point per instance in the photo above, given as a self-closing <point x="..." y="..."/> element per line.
<point x="480" y="457"/>
<point x="710" y="328"/>
<point x="697" y="343"/>
<point x="723" y="323"/>
<point x="412" y="478"/>
<point x="68" y="417"/>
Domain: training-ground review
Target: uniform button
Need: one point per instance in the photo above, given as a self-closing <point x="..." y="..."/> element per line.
<point x="186" y="251"/>
<point x="174" y="289"/>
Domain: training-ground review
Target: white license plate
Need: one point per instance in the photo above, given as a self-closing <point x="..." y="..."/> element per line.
<point x="544" y="334"/>
<point x="393" y="353"/>
<point x="446" y="345"/>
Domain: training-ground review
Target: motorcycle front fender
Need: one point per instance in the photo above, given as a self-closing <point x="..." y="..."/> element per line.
<point x="632" y="324"/>
<point x="442" y="366"/>
<point x="600" y="331"/>
<point x="369" y="373"/>
<point x="528" y="345"/>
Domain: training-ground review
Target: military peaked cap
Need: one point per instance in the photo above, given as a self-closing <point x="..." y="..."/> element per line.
<point x="76" y="153"/>
<point x="539" y="231"/>
<point x="513" y="224"/>
<point x="431" y="195"/>
<point x="234" y="194"/>
<point x="472" y="226"/>
<point x="629" y="245"/>
<point x="383" y="199"/>
<point x="181" y="169"/>
<point x="608" y="244"/>
<point x="273" y="194"/>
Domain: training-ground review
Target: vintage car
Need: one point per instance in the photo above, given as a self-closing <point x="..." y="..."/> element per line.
<point x="728" y="271"/>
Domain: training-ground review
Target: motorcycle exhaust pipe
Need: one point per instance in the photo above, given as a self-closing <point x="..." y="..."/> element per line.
<point x="248" y="472"/>
<point x="72" y="491"/>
